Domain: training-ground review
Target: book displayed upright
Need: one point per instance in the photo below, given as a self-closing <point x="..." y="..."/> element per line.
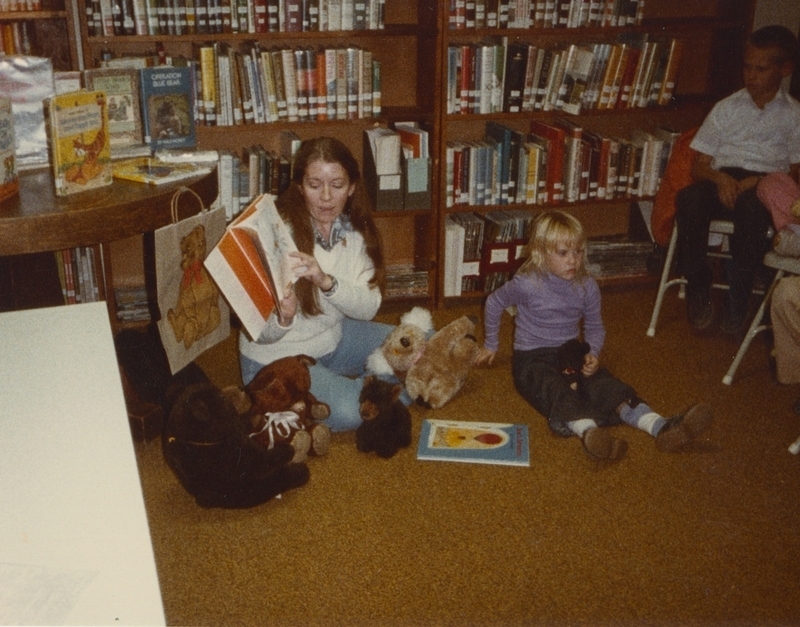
<point x="124" y="107"/>
<point x="251" y="263"/>
<point x="167" y="97"/>
<point x="81" y="154"/>
<point x="9" y="179"/>
<point x="474" y="442"/>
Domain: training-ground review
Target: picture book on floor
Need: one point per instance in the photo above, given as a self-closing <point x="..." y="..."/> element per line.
<point x="251" y="263"/>
<point x="474" y="442"/>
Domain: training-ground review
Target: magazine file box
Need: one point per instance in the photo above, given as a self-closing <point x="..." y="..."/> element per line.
<point x="385" y="190"/>
<point x="416" y="183"/>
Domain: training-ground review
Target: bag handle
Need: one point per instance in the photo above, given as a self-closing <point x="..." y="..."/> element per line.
<point x="174" y="204"/>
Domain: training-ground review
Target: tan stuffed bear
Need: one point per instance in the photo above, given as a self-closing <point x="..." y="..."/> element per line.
<point x="433" y="367"/>
<point x="196" y="313"/>
<point x="442" y="369"/>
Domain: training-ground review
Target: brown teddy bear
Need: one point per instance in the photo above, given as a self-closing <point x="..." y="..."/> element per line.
<point x="282" y="408"/>
<point x="433" y="366"/>
<point x="196" y="313"/>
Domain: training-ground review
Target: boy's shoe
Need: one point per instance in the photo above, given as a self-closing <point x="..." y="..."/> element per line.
<point x="700" y="308"/>
<point x="733" y="319"/>
<point x="600" y="444"/>
<point x="682" y="429"/>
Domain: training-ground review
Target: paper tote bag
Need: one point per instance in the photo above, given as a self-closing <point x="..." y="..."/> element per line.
<point x="194" y="315"/>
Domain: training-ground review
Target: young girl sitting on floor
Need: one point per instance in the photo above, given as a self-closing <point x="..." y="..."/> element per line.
<point x="554" y="296"/>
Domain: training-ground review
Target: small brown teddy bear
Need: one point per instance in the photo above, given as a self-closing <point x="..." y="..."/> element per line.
<point x="433" y="367"/>
<point x="386" y="425"/>
<point x="196" y="314"/>
<point x="282" y="408"/>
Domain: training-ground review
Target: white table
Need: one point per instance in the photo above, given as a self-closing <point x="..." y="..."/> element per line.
<point x="74" y="541"/>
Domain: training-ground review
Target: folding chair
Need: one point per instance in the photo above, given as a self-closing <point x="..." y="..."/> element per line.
<point x="782" y="265"/>
<point x="721" y="228"/>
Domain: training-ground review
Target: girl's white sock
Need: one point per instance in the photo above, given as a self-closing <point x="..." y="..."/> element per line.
<point x="579" y="427"/>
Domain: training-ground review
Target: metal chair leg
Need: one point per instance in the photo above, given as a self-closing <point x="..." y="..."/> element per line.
<point x="665" y="283"/>
<point x="755" y="328"/>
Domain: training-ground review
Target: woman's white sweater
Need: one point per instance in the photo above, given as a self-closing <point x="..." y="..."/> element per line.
<point x="351" y="266"/>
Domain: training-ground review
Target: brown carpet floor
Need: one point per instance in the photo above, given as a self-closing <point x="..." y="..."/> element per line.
<point x="707" y="537"/>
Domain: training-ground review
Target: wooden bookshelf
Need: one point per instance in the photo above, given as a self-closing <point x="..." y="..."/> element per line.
<point x="712" y="33"/>
<point x="405" y="46"/>
<point x="413" y="47"/>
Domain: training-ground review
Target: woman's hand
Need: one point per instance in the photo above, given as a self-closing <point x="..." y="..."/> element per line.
<point x="590" y="365"/>
<point x="307" y="267"/>
<point x="485" y="357"/>
<point x="287" y="307"/>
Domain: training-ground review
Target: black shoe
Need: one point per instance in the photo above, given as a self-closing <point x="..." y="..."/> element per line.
<point x="699" y="309"/>
<point x="734" y="318"/>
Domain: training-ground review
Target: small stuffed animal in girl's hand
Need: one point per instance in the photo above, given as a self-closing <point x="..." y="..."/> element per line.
<point x="570" y="360"/>
<point x="386" y="425"/>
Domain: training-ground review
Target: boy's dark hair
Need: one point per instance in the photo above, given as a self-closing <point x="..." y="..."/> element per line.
<point x="778" y="37"/>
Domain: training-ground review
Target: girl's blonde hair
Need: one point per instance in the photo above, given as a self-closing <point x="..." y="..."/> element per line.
<point x="550" y="231"/>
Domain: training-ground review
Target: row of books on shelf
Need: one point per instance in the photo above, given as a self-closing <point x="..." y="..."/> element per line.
<point x="106" y="18"/>
<point x="257" y="85"/>
<point x="473" y="14"/>
<point x="405" y="281"/>
<point x="22" y="6"/>
<point x="511" y="77"/>
<point x="555" y="163"/>
<point x="17" y="37"/>
<point x="256" y="171"/>
<point x="77" y="273"/>
<point x="483" y="251"/>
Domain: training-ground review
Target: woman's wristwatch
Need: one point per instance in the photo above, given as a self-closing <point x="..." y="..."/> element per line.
<point x="334" y="285"/>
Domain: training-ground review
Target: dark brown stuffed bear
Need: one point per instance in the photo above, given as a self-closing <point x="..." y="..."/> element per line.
<point x="386" y="425"/>
<point x="207" y="445"/>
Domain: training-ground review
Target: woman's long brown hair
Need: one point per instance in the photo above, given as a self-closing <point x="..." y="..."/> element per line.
<point x="292" y="207"/>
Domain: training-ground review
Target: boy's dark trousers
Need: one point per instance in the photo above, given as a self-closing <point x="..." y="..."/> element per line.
<point x="698" y="204"/>
<point x="538" y="381"/>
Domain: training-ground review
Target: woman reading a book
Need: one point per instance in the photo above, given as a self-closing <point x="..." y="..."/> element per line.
<point x="328" y="314"/>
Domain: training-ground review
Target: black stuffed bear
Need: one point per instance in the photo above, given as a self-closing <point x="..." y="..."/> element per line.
<point x="206" y="443"/>
<point x="386" y="425"/>
<point x="205" y="439"/>
<point x="570" y="360"/>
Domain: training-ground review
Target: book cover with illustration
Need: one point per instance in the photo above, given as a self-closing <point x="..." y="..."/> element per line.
<point x="156" y="172"/>
<point x="167" y="96"/>
<point x="474" y="442"/>
<point x="124" y="106"/>
<point x="9" y="182"/>
<point x="81" y="155"/>
<point x="251" y="263"/>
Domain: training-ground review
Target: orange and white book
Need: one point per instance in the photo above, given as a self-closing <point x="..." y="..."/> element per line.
<point x="251" y="264"/>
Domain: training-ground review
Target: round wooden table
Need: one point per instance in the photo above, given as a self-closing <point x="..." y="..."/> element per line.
<point x="37" y="220"/>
